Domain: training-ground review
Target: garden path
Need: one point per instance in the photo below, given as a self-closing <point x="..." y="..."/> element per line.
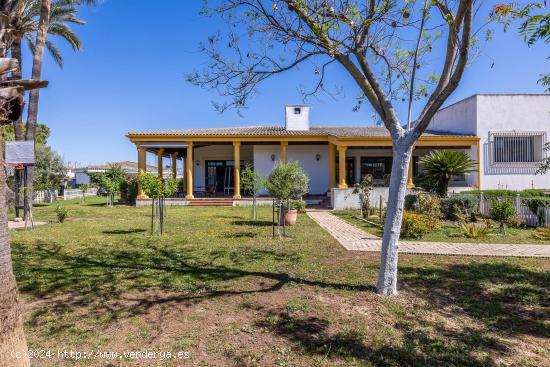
<point x="355" y="239"/>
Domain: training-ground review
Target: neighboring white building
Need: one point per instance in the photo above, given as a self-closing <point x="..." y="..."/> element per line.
<point x="512" y="128"/>
<point x="504" y="133"/>
<point x="80" y="175"/>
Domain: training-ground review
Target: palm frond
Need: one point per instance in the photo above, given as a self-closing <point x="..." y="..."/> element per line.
<point x="54" y="52"/>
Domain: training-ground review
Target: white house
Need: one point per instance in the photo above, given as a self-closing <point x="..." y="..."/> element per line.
<point x="512" y="128"/>
<point x="504" y="133"/>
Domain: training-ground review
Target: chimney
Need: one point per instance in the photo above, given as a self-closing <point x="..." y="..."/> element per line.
<point x="297" y="117"/>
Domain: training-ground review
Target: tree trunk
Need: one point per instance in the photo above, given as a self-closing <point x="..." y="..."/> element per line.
<point x="17" y="75"/>
<point x="387" y="277"/>
<point x="38" y="58"/>
<point x="12" y="337"/>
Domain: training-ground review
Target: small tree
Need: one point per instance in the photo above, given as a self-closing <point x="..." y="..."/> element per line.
<point x="252" y="182"/>
<point x="157" y="189"/>
<point x="286" y="181"/>
<point x="502" y="211"/>
<point x="363" y="189"/>
<point x="110" y="181"/>
<point x="441" y="165"/>
<point x="84" y="189"/>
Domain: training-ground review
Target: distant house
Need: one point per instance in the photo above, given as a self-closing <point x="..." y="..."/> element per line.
<point x="81" y="177"/>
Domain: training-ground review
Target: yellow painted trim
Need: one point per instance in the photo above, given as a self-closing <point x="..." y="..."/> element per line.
<point x="342" y="166"/>
<point x="142" y="167"/>
<point x="337" y="140"/>
<point x="174" y="165"/>
<point x="160" y="154"/>
<point x="237" y="170"/>
<point x="284" y="146"/>
<point x="189" y="170"/>
<point x="332" y="165"/>
<point x="410" y="182"/>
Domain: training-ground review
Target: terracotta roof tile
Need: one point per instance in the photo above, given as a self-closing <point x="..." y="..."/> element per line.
<point x="340" y="131"/>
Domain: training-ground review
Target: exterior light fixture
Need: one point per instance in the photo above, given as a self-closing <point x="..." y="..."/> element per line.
<point x="317" y="156"/>
<point x="273" y="158"/>
<point x="197" y="162"/>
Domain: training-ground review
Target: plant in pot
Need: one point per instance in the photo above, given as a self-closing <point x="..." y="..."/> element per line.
<point x="285" y="182"/>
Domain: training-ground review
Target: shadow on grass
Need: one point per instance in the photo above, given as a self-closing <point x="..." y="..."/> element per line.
<point x="125" y="231"/>
<point x="503" y="296"/>
<point x="99" y="279"/>
<point x="258" y="223"/>
<point x="315" y="337"/>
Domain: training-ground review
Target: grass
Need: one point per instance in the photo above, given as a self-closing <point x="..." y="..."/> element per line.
<point x="451" y="232"/>
<point x="219" y="287"/>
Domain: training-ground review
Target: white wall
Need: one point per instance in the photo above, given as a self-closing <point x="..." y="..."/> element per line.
<point x="215" y="152"/>
<point x="484" y="113"/>
<point x="306" y="157"/>
<point x="512" y="112"/>
<point x="459" y="118"/>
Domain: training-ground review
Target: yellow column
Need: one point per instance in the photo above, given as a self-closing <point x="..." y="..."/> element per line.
<point x="284" y="145"/>
<point x="342" y="166"/>
<point x="237" y="169"/>
<point x="410" y="183"/>
<point x="142" y="164"/>
<point x="174" y="165"/>
<point x="331" y="165"/>
<point x="189" y="170"/>
<point x="160" y="154"/>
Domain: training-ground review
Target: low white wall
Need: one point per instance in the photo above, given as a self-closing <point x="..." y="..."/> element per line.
<point x="345" y="198"/>
<point x="77" y="193"/>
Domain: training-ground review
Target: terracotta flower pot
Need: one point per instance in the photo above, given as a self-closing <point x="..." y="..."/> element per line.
<point x="291" y="216"/>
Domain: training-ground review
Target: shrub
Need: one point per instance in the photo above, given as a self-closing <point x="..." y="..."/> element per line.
<point x="439" y="166"/>
<point x="458" y="207"/>
<point x="61" y="212"/>
<point x="503" y="212"/>
<point x="542" y="233"/>
<point x="299" y="205"/>
<point x="416" y="225"/>
<point x="363" y="189"/>
<point x="475" y="230"/>
<point x="424" y="203"/>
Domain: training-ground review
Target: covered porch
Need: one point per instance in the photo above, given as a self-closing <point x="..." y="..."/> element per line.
<point x="210" y="167"/>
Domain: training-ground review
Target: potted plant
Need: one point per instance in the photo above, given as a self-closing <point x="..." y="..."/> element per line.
<point x="285" y="182"/>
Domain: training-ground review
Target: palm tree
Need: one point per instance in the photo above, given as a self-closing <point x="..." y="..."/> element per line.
<point x="25" y="21"/>
<point x="13" y="347"/>
<point x="439" y="166"/>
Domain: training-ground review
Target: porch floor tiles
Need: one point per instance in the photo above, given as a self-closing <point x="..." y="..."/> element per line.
<point x="355" y="239"/>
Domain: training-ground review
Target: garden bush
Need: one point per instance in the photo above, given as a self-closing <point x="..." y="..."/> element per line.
<point x="542" y="233"/>
<point x="424" y="203"/>
<point x="61" y="212"/>
<point x="475" y="230"/>
<point x="416" y="225"/>
<point x="299" y="205"/>
<point x="502" y="210"/>
<point x="458" y="207"/>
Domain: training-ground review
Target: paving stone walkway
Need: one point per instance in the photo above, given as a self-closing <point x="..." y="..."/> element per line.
<point x="355" y="239"/>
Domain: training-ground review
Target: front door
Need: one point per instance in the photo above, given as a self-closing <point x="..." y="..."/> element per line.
<point x="215" y="171"/>
<point x="220" y="176"/>
<point x="350" y="171"/>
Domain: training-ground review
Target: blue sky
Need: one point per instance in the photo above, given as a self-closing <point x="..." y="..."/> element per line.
<point x="131" y="76"/>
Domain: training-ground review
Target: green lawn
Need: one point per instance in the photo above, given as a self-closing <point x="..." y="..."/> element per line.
<point x="450" y="232"/>
<point x="218" y="286"/>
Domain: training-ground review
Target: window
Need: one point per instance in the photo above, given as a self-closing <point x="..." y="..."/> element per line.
<point x="518" y="147"/>
<point x="297" y="110"/>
